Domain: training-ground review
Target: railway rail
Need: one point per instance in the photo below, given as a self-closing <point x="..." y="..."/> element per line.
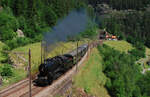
<point x="21" y="89"/>
<point x="14" y="88"/>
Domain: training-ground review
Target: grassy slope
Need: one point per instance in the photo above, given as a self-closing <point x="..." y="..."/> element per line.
<point x="91" y="77"/>
<point x="122" y="46"/>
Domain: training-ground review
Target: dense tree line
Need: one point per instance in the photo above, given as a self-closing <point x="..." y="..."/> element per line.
<point x="128" y="4"/>
<point x="122" y="4"/>
<point x="124" y="76"/>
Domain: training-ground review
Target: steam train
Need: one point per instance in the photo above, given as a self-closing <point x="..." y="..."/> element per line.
<point x="52" y="68"/>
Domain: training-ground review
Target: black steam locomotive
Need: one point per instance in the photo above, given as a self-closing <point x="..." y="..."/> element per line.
<point x="52" y="68"/>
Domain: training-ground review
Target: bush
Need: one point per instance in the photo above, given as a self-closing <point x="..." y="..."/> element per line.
<point x="144" y="84"/>
<point x="18" y="42"/>
<point x="90" y="31"/>
<point x="131" y="39"/>
<point x="38" y="38"/>
<point x="139" y="51"/>
<point x="6" y="70"/>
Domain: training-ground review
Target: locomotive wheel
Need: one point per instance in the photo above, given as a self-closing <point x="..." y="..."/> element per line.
<point x="49" y="78"/>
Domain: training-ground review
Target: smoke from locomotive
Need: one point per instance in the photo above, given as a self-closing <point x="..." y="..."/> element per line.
<point x="70" y="26"/>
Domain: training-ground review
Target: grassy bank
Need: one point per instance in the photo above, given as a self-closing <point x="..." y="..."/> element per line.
<point x="90" y="77"/>
<point x="122" y="46"/>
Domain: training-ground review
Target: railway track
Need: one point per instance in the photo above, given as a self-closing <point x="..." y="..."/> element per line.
<point x="14" y="88"/>
<point x="35" y="90"/>
<point x="20" y="89"/>
<point x="63" y="88"/>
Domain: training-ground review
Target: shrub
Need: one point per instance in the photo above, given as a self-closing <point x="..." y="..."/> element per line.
<point x="90" y="31"/>
<point x="6" y="70"/>
<point x="18" y="42"/>
<point x="38" y="38"/>
<point x="144" y="84"/>
<point x="139" y="51"/>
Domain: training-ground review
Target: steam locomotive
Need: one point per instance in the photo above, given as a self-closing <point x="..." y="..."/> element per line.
<point x="52" y="68"/>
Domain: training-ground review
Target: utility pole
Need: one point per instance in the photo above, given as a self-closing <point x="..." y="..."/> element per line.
<point x="41" y="53"/>
<point x="45" y="51"/>
<point x="88" y="49"/>
<point x="77" y="59"/>
<point x="62" y="51"/>
<point x="30" y="73"/>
